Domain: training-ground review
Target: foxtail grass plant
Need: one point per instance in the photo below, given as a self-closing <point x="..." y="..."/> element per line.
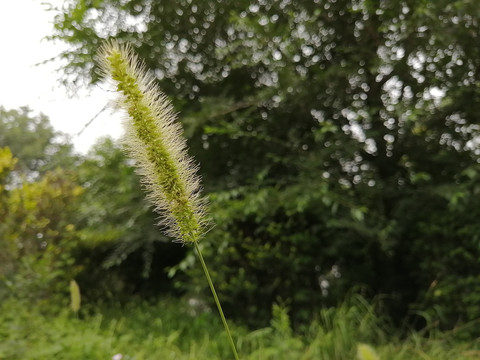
<point x="154" y="140"/>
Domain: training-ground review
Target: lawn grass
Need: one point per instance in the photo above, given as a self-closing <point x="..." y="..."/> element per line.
<point x="170" y="329"/>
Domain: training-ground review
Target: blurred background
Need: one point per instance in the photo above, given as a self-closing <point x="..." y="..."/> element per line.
<point x="339" y="148"/>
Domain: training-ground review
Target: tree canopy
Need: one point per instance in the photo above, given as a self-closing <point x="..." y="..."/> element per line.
<point x="34" y="142"/>
<point x="338" y="140"/>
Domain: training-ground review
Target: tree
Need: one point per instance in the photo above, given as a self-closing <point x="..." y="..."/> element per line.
<point x="33" y="141"/>
<point x="38" y="195"/>
<point x="328" y="133"/>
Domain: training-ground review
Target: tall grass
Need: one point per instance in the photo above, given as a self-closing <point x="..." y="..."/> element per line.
<point x="169" y="329"/>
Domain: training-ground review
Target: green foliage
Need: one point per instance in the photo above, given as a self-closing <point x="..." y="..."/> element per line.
<point x="120" y="248"/>
<point x="113" y="207"/>
<point x="77" y="221"/>
<point x="75" y="298"/>
<point x="170" y="330"/>
<point x="279" y="255"/>
<point x="7" y="164"/>
<point x="33" y="141"/>
<point x="37" y="205"/>
<point x="366" y="352"/>
<point x="37" y="237"/>
<point x="338" y="142"/>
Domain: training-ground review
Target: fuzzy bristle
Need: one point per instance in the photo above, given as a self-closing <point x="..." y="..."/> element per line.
<point x="154" y="140"/>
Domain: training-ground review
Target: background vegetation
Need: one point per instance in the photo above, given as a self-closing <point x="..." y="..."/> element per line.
<point x="338" y="143"/>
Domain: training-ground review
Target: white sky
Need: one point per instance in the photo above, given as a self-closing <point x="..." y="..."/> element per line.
<point x="23" y="25"/>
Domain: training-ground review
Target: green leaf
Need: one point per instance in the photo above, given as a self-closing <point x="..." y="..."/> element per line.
<point x="366" y="352"/>
<point x="75" y="299"/>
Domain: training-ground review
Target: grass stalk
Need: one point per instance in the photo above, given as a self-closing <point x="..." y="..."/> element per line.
<point x="217" y="301"/>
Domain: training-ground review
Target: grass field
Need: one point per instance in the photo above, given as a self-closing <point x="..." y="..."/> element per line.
<point x="170" y="329"/>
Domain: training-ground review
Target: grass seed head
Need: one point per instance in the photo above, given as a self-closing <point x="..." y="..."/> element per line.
<point x="154" y="140"/>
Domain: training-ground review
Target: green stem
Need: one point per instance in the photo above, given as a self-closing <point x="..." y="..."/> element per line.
<point x="219" y="307"/>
